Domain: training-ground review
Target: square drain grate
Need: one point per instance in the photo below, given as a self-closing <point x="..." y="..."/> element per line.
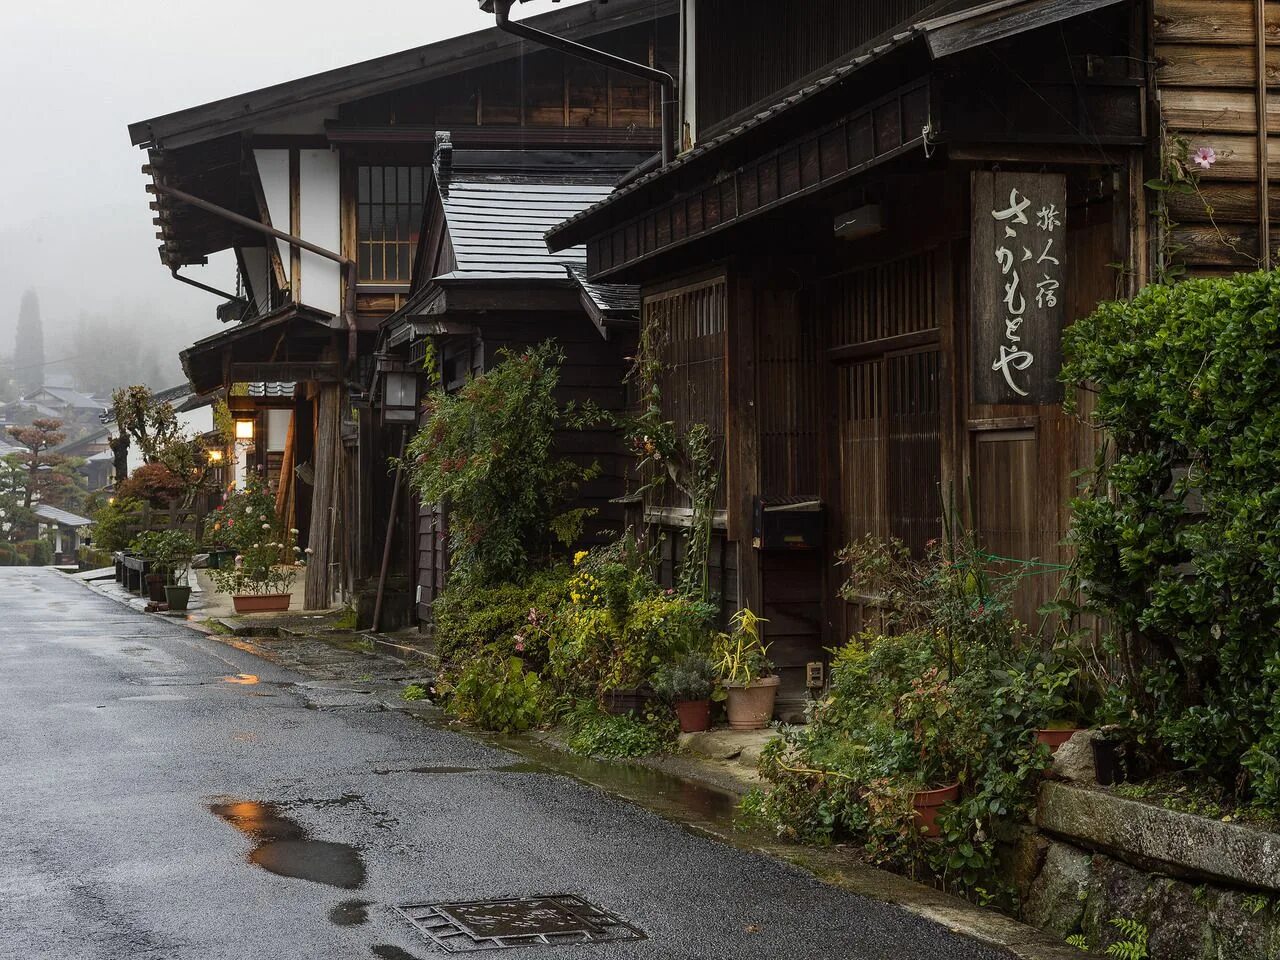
<point x="526" y="922"/>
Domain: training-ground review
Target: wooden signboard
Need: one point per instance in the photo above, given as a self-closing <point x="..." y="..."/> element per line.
<point x="1016" y="275"/>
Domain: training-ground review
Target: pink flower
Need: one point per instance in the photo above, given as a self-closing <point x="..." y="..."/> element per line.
<point x="1204" y="158"/>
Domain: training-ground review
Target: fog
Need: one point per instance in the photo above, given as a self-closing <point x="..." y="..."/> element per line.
<point x="74" y="223"/>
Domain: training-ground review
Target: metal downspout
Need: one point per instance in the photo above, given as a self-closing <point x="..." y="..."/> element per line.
<point x="1264" y="184"/>
<point x="501" y="10"/>
<point x="348" y="265"/>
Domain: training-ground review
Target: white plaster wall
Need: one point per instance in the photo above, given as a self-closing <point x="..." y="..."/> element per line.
<point x="273" y="169"/>
<point x="321" y="224"/>
<point x="255" y="262"/>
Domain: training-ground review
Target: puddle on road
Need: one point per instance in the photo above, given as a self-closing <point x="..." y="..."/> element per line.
<point x="244" y="679"/>
<point x="350" y="913"/>
<point x="525" y="767"/>
<point x="285" y="849"/>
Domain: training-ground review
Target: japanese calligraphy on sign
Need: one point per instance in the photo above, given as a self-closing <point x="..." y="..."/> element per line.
<point x="1018" y="304"/>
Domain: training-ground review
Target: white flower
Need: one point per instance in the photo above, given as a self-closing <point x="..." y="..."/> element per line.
<point x="262" y="516"/>
<point x="248" y="511"/>
<point x="266" y="526"/>
<point x="297" y="549"/>
<point x="309" y="551"/>
<point x="293" y="530"/>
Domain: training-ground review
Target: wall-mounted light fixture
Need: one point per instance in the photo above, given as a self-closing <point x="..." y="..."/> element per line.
<point x="400" y="396"/>
<point x="215" y="456"/>
<point x="244" y="429"/>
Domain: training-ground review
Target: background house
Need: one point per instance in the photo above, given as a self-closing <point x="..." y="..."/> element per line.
<point x="341" y="162"/>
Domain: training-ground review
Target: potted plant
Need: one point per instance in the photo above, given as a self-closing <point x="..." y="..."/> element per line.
<point x="260" y="577"/>
<point x="935" y="737"/>
<point x="742" y="663"/>
<point x="175" y="548"/>
<point x="149" y="546"/>
<point x="687" y="684"/>
<point x="1050" y="691"/>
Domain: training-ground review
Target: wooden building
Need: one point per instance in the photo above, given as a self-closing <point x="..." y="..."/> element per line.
<point x="486" y="283"/>
<point x="885" y="216"/>
<point x="318" y="187"/>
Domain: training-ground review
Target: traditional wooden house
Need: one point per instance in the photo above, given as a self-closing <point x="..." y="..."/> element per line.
<point x="484" y="283"/>
<point x="318" y="186"/>
<point x="859" y="269"/>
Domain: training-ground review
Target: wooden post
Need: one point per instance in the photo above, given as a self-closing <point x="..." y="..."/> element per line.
<point x="324" y="502"/>
<point x="742" y="448"/>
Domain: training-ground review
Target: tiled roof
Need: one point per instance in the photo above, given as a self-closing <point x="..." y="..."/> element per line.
<point x="62" y="517"/>
<point x="271" y="390"/>
<point x="497" y="223"/>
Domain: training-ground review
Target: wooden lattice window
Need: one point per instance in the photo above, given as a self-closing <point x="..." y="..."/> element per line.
<point x="389" y="202"/>
<point x="686" y="327"/>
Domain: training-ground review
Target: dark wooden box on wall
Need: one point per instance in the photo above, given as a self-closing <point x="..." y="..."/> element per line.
<point x="789" y="523"/>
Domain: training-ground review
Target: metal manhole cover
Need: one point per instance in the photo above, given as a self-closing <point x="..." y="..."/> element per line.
<point x="527" y="922"/>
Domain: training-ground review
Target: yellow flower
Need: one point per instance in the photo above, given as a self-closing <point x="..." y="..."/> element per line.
<point x="579" y="557"/>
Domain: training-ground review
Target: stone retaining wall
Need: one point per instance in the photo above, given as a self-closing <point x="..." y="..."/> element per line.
<point x="1205" y="890"/>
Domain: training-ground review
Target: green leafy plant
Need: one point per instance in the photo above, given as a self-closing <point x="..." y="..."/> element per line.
<point x="602" y="735"/>
<point x="489" y="452"/>
<point x="1079" y="941"/>
<point x="1177" y="531"/>
<point x="740" y="656"/>
<point x="496" y="692"/>
<point x="1134" y="946"/>
<point x="170" y="552"/>
<point x="113" y="522"/>
<point x="946" y="692"/>
<point x="414" y="692"/>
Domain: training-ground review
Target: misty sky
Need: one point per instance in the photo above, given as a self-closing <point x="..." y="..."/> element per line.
<point x="74" y="222"/>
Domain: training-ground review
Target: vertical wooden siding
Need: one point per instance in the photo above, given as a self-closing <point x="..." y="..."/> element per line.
<point x="687" y="325"/>
<point x="890" y="403"/>
<point x="1207" y="75"/>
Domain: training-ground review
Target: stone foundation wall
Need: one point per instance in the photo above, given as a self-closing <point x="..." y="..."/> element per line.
<point x="1204" y="889"/>
<point x="1077" y="891"/>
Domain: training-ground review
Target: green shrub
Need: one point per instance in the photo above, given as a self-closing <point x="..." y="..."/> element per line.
<point x="111" y="523"/>
<point x="37" y="553"/>
<point x="908" y="711"/>
<point x="496" y="692"/>
<point x="1178" y="534"/>
<point x="10" y="557"/>
<point x="469" y="617"/>
<point x="488" y="451"/>
<point x="597" y="734"/>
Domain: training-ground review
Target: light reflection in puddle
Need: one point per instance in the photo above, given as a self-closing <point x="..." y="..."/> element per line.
<point x="244" y="679"/>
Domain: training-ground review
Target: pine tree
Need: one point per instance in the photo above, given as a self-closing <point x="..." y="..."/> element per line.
<point x="28" y="351"/>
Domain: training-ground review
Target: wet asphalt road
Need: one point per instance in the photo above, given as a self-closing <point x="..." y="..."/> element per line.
<point x="146" y="801"/>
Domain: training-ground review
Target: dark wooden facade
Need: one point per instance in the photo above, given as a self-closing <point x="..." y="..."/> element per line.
<point x="843" y="370"/>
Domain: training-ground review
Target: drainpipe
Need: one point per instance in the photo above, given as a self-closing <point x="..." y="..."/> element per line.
<point x="501" y="10"/>
<point x="173" y="272"/>
<point x="348" y="265"/>
<point x="1264" y="140"/>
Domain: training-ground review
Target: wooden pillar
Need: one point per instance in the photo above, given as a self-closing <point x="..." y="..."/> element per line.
<point x="742" y="432"/>
<point x="324" y="499"/>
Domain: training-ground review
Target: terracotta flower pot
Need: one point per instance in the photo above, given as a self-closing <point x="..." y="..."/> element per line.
<point x="261" y="602"/>
<point x="750" y="707"/>
<point x="927" y="804"/>
<point x="1054" y="738"/>
<point x="695" y="715"/>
